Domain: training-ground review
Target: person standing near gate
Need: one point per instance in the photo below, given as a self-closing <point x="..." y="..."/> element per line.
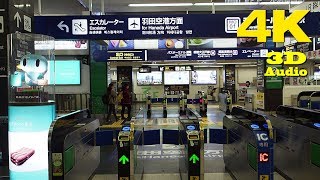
<point x="126" y="101"/>
<point x="111" y="101"/>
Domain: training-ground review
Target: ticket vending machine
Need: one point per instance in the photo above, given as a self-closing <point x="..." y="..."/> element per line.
<point x="148" y="105"/>
<point x="165" y="103"/>
<point x="182" y="103"/>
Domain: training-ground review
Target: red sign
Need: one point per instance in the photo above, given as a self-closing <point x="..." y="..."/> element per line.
<point x="263" y="157"/>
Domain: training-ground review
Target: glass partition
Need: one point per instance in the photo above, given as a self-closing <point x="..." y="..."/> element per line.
<point x="31" y="105"/>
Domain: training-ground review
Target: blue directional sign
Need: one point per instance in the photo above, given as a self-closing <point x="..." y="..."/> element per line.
<point x="153" y="26"/>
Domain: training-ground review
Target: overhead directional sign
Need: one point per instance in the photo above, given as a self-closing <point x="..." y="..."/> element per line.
<point x="124" y="160"/>
<point x="63" y="27"/>
<point x="154" y="26"/>
<point x="194" y="158"/>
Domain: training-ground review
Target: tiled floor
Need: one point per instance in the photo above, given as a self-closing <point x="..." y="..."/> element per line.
<point x="207" y="176"/>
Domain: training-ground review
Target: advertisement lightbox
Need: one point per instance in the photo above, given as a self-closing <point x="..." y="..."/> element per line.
<point x="66" y="72"/>
<point x="28" y="140"/>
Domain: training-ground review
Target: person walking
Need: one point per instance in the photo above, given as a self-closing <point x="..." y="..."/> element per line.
<point x="112" y="100"/>
<point x="126" y="101"/>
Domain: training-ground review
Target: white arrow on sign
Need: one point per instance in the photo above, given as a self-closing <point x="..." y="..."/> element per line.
<point x="18" y="18"/>
<point x="61" y="26"/>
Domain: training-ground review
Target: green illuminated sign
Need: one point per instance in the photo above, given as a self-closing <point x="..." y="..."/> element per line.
<point x="123" y="159"/>
<point x="194" y="158"/>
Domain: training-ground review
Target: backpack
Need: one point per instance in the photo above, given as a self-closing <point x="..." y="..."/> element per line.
<point x="105" y="99"/>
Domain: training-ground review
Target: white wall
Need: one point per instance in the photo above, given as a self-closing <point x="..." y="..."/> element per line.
<point x="244" y="74"/>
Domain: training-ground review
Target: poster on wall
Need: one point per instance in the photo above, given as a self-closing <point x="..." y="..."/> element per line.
<point x="146" y="44"/>
<point x="260" y="100"/>
<point x="28" y="141"/>
<point x="249" y="42"/>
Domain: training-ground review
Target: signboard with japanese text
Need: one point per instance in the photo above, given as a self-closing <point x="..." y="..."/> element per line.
<point x="209" y="54"/>
<point x="126" y="55"/>
<point x="154" y="26"/>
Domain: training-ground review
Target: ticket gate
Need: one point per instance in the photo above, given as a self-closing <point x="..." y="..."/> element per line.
<point x="148" y="105"/>
<point x="182" y="103"/>
<point x="192" y="137"/>
<point x="165" y="104"/>
<point x="314" y="100"/>
<point x="304" y="98"/>
<point x="297" y="146"/>
<point x="125" y="152"/>
<point x="203" y="103"/>
<point x="72" y="150"/>
<point x="248" y="149"/>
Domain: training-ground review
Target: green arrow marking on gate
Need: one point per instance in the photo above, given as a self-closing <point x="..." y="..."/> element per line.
<point x="123" y="159"/>
<point x="194" y="158"/>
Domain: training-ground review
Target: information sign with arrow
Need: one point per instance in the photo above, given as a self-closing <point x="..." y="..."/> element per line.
<point x="123" y="159"/>
<point x="194" y="158"/>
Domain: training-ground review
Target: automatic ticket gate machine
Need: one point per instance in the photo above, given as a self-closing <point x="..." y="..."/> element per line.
<point x="182" y="103"/>
<point x="248" y="152"/>
<point x="304" y="99"/>
<point x="72" y="150"/>
<point x="297" y="147"/>
<point x="165" y="104"/>
<point x="192" y="137"/>
<point x="148" y="103"/>
<point x="203" y="103"/>
<point x="125" y="149"/>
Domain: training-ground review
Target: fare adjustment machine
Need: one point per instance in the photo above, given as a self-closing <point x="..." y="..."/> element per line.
<point x="183" y="103"/>
<point x="125" y="153"/>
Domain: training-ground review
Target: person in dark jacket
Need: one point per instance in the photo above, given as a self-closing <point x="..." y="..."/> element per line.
<point x="126" y="101"/>
<point x="112" y="100"/>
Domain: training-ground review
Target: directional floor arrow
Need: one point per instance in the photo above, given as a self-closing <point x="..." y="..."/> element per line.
<point x="123" y="159"/>
<point x="194" y="158"/>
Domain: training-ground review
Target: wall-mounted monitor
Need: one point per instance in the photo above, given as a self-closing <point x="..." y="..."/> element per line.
<point x="176" y="77"/>
<point x="152" y="78"/>
<point x="204" y="77"/>
<point x="66" y="72"/>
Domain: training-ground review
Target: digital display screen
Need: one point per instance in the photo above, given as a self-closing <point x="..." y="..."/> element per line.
<point x="317" y="125"/>
<point x="153" y="78"/>
<point x="176" y="77"/>
<point x="191" y="127"/>
<point x="263" y="157"/>
<point x="67" y="72"/>
<point x="254" y="126"/>
<point x="204" y="77"/>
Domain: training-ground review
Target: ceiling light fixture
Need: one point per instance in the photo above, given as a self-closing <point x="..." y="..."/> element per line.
<point x="161" y="5"/>
<point x="249" y="3"/>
